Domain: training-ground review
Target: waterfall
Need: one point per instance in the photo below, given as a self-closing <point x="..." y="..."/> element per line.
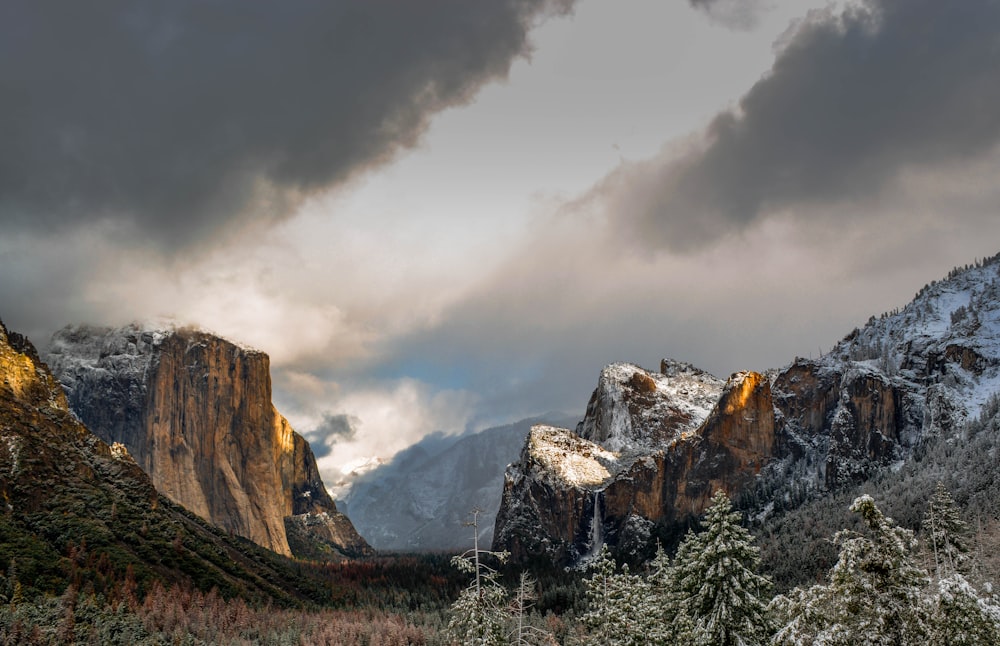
<point x="596" y="532"/>
<point x="596" y="526"/>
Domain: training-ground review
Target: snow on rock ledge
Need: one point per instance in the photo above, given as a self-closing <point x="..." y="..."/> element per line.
<point x="633" y="409"/>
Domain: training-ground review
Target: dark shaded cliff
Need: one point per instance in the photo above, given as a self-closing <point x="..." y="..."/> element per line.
<point x="195" y="412"/>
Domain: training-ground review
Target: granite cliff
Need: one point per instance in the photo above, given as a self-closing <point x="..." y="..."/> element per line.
<point x="653" y="448"/>
<point x="568" y="493"/>
<point x="76" y="511"/>
<point x="195" y="413"/>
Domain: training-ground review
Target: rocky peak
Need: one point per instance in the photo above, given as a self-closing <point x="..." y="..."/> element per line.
<point x="632" y="409"/>
<point x="652" y="450"/>
<point x="195" y="412"/>
<point x="25" y="377"/>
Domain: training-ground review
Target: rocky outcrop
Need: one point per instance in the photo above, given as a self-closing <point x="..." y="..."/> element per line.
<point x="565" y="484"/>
<point x="635" y="409"/>
<point x="816" y="425"/>
<point x="195" y="413"/>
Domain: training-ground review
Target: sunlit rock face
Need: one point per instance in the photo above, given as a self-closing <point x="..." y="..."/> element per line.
<point x="195" y="413"/>
<point x="770" y="442"/>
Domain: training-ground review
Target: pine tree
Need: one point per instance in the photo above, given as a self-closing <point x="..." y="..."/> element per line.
<point x="947" y="534"/>
<point x="612" y="618"/>
<point x="961" y="617"/>
<point x="660" y="601"/>
<point x="721" y="596"/>
<point x="875" y="595"/>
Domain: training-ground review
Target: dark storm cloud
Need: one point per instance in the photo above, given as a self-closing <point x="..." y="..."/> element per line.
<point x="852" y="100"/>
<point x="735" y="14"/>
<point x="176" y="117"/>
<point x="333" y="429"/>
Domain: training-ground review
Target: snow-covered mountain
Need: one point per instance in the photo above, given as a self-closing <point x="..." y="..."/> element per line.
<point x="653" y="446"/>
<point x="419" y="500"/>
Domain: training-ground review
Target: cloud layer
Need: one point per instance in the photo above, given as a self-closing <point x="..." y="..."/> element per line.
<point x="172" y="119"/>
<point x="853" y="100"/>
<point x="861" y="165"/>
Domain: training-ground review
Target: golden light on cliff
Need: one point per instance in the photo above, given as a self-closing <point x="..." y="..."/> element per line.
<point x="286" y="437"/>
<point x="740" y="396"/>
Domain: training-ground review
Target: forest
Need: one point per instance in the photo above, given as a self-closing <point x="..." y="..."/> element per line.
<point x="888" y="583"/>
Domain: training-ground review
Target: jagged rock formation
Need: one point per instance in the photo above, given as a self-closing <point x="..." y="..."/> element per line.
<point x="75" y="510"/>
<point x="634" y="409"/>
<point x="564" y="483"/>
<point x="654" y="453"/>
<point x="195" y="413"/>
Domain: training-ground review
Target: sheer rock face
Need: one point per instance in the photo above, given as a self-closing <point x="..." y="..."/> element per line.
<point x="195" y="412"/>
<point x="845" y="420"/>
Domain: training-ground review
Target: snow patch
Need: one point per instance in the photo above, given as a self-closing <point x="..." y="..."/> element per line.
<point x="570" y="458"/>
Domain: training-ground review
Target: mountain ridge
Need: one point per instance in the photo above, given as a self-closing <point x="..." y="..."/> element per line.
<point x="817" y="425"/>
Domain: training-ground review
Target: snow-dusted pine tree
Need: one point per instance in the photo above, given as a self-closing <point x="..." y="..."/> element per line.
<point x="946" y="533"/>
<point x="659" y="601"/>
<point x="961" y="617"/>
<point x="721" y="597"/>
<point x="613" y="598"/>
<point x="875" y="596"/>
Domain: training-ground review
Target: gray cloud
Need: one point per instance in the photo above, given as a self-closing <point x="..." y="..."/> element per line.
<point x="852" y="101"/>
<point x="170" y="119"/>
<point x="735" y="14"/>
<point x="330" y="431"/>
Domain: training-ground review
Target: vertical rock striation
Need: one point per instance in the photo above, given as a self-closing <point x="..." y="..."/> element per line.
<point x="195" y="412"/>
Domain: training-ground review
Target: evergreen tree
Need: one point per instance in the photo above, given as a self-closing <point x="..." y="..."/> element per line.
<point x="658" y="610"/>
<point x="961" y="618"/>
<point x="947" y="534"/>
<point x="720" y="595"/>
<point x="875" y="596"/>
<point x="613" y="597"/>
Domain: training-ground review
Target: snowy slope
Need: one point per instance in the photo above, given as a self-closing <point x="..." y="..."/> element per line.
<point x="947" y="338"/>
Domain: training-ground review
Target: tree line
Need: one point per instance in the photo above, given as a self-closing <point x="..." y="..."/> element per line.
<point x="710" y="593"/>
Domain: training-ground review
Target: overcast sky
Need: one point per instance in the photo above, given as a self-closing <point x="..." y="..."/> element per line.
<point x="451" y="214"/>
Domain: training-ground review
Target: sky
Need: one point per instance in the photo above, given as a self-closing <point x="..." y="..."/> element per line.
<point x="447" y="215"/>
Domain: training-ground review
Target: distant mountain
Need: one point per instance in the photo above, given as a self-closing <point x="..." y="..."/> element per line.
<point x="195" y="412"/>
<point x="649" y="453"/>
<point x="77" y="511"/>
<point x="419" y="500"/>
